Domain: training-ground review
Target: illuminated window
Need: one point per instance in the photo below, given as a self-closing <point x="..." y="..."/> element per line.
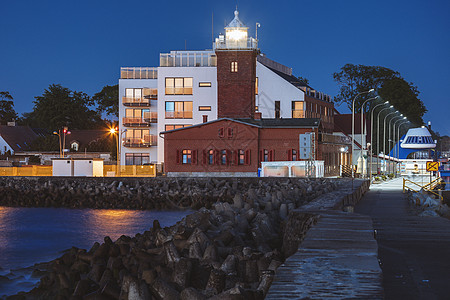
<point x="137" y="158"/>
<point x="211" y="157"/>
<point x="256" y="86"/>
<point x="204" y="84"/>
<point x="234" y="66"/>
<point x="223" y="157"/>
<point x="297" y="109"/>
<point x="179" y="109"/>
<point x="241" y="159"/>
<point x="177" y="126"/>
<point x="204" y="108"/>
<point x="187" y="156"/>
<point x="178" y="85"/>
<point x="133" y="93"/>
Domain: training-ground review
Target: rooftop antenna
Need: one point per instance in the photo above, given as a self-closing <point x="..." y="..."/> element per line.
<point x="212" y="27"/>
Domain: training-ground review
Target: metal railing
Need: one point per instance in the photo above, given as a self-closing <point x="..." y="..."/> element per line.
<point x="188" y="59"/>
<point x="418" y="187"/>
<point x="178" y="114"/>
<point x="297" y="113"/>
<point x="146" y="141"/>
<point x="138" y="73"/>
<point x="145" y="121"/>
<point x="178" y="90"/>
<point x="249" y="43"/>
<point x="140" y="102"/>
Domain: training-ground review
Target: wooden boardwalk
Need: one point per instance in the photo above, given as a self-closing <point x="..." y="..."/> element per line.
<point x="336" y="260"/>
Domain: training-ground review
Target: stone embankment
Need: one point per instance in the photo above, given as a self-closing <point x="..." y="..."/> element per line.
<point x="228" y="249"/>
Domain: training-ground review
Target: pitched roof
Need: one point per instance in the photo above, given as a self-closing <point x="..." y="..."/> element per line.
<point x="290" y="78"/>
<point x="18" y="138"/>
<point x="84" y="137"/>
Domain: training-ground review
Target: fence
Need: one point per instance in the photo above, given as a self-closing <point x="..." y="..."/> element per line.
<point x="108" y="170"/>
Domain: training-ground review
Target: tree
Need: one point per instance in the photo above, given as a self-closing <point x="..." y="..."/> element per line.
<point x="303" y="79"/>
<point x="354" y="79"/>
<point x="107" y="100"/>
<point x="59" y="106"/>
<point x="7" y="112"/>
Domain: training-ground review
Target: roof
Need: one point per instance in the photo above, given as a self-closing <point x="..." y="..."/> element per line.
<point x="84" y="137"/>
<point x="18" y="138"/>
<point x="283" y="123"/>
<point x="263" y="123"/>
<point x="290" y="78"/>
<point x="343" y="123"/>
<point x="236" y="22"/>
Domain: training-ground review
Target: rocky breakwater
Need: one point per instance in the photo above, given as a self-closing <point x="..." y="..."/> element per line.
<point x="228" y="251"/>
<point x="137" y="193"/>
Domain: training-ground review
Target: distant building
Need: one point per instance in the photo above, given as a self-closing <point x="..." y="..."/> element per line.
<point x="186" y="87"/>
<point x="15" y="139"/>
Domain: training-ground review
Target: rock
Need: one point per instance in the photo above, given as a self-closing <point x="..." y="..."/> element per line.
<point x="216" y="282"/>
<point x="162" y="290"/>
<point x="192" y="294"/>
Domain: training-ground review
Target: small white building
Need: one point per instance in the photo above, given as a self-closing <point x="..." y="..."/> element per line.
<point x="88" y="167"/>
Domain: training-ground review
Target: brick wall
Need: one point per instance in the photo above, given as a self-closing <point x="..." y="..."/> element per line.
<point x="236" y="90"/>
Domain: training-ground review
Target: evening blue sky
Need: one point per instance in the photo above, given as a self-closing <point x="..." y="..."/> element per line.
<point x="82" y="44"/>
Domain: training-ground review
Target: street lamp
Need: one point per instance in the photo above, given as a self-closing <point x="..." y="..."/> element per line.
<point x="363" y="135"/>
<point x="398" y="135"/>
<point x="371" y="137"/>
<point x="378" y="136"/>
<point x="384" y="135"/>
<point x="115" y="131"/>
<point x="389" y="138"/>
<point x="353" y="123"/>
<point x="394" y="140"/>
<point x="62" y="145"/>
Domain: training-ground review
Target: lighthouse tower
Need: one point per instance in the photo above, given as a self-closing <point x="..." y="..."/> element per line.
<point x="236" y="71"/>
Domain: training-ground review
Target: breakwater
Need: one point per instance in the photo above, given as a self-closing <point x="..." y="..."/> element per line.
<point x="230" y="248"/>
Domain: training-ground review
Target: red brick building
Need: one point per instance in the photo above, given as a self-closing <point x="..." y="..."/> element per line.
<point x="238" y="146"/>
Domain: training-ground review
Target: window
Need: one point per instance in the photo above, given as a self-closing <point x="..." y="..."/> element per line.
<point x="204" y="84"/>
<point x="221" y="132"/>
<point x="137" y="158"/>
<point x="178" y="109"/>
<point x="266" y="155"/>
<point x="211" y="157"/>
<point x="256" y="86"/>
<point x="139" y="138"/>
<point x="178" y="85"/>
<point x="292" y="154"/>
<point x="204" y="108"/>
<point x="234" y="66"/>
<point x="230" y="132"/>
<point x="241" y="159"/>
<point x="133" y="93"/>
<point x="75" y="146"/>
<point x="297" y="109"/>
<point x="223" y="157"/>
<point x="171" y="127"/>
<point x="186" y="157"/>
<point x="205" y="118"/>
<point x="256" y="108"/>
<point x="277" y="109"/>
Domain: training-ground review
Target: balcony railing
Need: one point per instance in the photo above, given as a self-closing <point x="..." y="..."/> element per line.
<point x="297" y="113"/>
<point x="145" y="141"/>
<point x="138" y="73"/>
<point x="249" y="43"/>
<point x="188" y="59"/>
<point x="179" y="91"/>
<point x="178" y="114"/>
<point x="150" y="117"/>
<point x="139" y="102"/>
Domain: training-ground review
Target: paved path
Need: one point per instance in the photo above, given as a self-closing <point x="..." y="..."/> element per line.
<point x="414" y="251"/>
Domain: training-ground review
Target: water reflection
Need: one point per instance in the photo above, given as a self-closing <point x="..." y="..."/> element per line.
<point x="32" y="235"/>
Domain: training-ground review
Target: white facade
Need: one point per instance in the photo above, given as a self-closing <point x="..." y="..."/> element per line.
<point x="4" y="146"/>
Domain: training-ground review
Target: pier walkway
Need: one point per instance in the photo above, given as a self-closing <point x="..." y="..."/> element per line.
<point x="414" y="251"/>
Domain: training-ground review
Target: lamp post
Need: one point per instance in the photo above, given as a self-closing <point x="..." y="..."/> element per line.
<point x="62" y="145"/>
<point x="384" y="135"/>
<point x="363" y="133"/>
<point x="378" y="136"/>
<point x="394" y="141"/>
<point x="353" y="123"/>
<point x="115" y="131"/>
<point x="398" y="135"/>
<point x="393" y="135"/>
<point x="371" y="137"/>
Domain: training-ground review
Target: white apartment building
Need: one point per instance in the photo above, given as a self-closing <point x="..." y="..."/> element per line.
<point x="182" y="91"/>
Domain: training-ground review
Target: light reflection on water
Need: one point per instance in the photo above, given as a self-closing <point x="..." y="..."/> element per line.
<point x="33" y="235"/>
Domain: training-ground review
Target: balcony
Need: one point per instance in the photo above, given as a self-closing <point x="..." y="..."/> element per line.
<point x="179" y="91"/>
<point x="188" y="59"/>
<point x="178" y="114"/>
<point x="145" y="121"/>
<point x="297" y="113"/>
<point x="137" y="102"/>
<point x="145" y="142"/>
<point x="138" y="73"/>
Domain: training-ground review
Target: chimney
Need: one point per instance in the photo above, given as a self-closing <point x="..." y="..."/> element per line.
<point x="258" y="115"/>
<point x="11" y="124"/>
